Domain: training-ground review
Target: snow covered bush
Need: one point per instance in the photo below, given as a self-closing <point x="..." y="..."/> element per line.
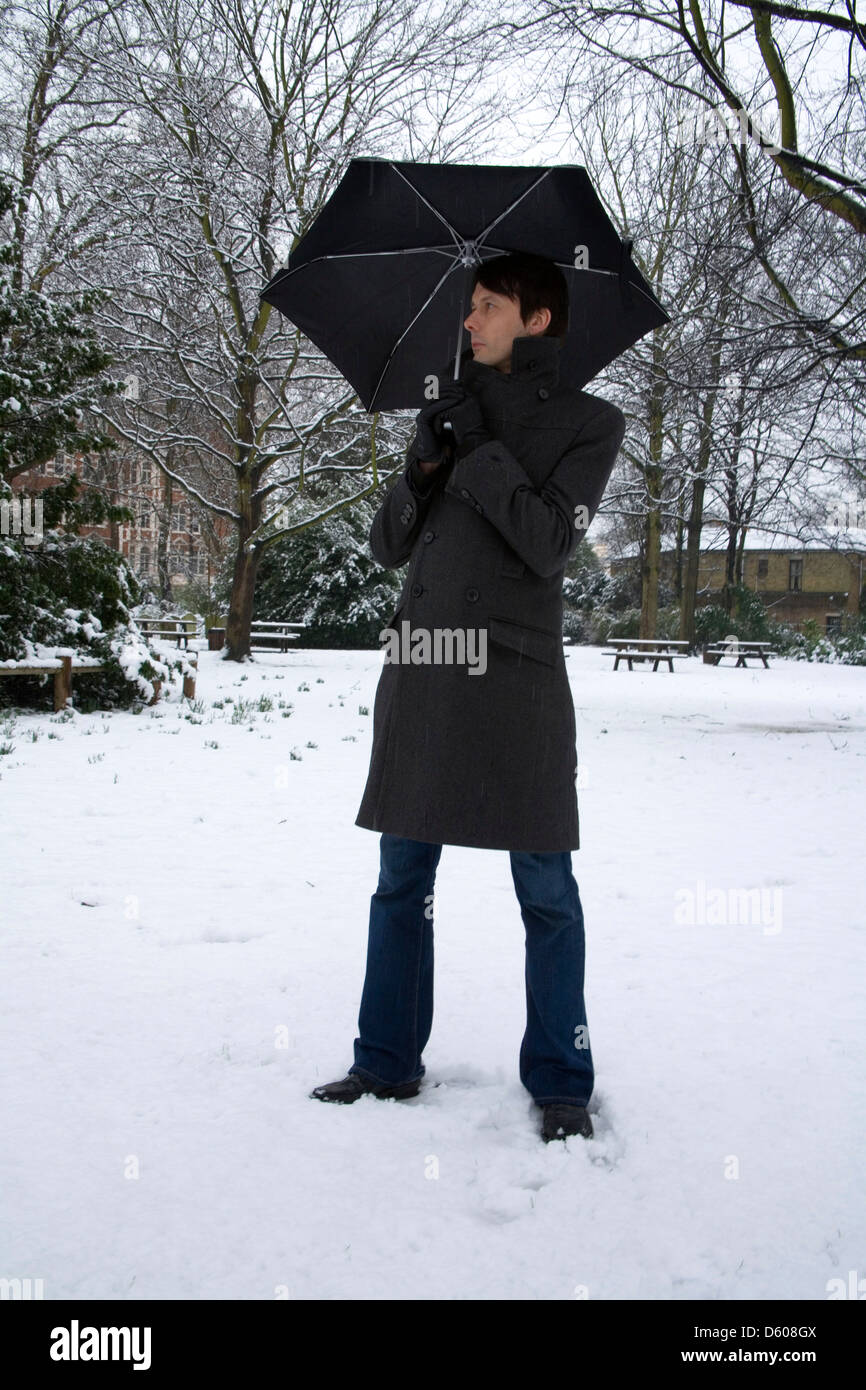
<point x="75" y="593"/>
<point x="847" y="648"/>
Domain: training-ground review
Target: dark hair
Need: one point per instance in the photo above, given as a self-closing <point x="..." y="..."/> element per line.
<point x="533" y="280"/>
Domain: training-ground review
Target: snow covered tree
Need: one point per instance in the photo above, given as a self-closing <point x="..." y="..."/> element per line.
<point x="325" y="576"/>
<point x="52" y="365"/>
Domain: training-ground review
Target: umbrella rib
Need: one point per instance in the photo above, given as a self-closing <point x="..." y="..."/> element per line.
<point x="350" y="255"/>
<point x="458" y="240"/>
<point x="406" y="330"/>
<point x="595" y="270"/>
<point x="525" y="194"/>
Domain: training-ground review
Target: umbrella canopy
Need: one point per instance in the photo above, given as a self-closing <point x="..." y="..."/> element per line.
<point x="381" y="280"/>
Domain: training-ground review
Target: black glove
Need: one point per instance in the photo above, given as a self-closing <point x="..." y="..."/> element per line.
<point x="462" y="417"/>
<point x="431" y="444"/>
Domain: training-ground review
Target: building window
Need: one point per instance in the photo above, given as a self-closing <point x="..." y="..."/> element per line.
<point x="193" y="522"/>
<point x="145" y="473"/>
<point x="144" y="560"/>
<point x="834" y="622"/>
<point x="795" y="576"/>
<point x="763" y="569"/>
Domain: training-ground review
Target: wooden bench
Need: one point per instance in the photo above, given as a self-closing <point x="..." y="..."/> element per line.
<point x="59" y="667"/>
<point x="262" y="634"/>
<point x="737" y="647"/>
<point x="170" y="628"/>
<point x="654" y="649"/>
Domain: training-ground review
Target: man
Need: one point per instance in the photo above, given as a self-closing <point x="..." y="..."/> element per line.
<point x="505" y="473"/>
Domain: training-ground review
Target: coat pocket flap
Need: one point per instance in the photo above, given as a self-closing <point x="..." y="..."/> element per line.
<point x="529" y="641"/>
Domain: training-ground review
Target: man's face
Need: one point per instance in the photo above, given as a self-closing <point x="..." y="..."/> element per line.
<point x="493" y="323"/>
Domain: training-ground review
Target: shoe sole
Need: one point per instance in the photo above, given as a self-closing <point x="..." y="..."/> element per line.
<point x="391" y="1093"/>
<point x="575" y="1134"/>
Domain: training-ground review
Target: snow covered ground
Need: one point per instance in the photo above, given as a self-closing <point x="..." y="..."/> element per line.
<point x="184" y="914"/>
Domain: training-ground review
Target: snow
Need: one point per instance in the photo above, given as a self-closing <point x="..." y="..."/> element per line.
<point x="184" y="911"/>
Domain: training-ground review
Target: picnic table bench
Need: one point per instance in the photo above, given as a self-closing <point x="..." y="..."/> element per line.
<point x="741" y="649"/>
<point x="170" y="627"/>
<point x="654" y="649"/>
<point x="262" y="634"/>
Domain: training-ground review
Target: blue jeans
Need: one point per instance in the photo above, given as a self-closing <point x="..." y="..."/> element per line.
<point x="396" y="1013"/>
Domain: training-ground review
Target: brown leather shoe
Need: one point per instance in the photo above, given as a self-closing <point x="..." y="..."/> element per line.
<point x="352" y="1087"/>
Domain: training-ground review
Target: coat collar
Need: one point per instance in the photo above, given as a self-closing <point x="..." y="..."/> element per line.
<point x="534" y="360"/>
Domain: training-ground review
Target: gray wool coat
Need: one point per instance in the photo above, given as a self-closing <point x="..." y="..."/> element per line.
<point x="474" y="739"/>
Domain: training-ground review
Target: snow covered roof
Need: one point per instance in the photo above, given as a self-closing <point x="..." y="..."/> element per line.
<point x="785" y="538"/>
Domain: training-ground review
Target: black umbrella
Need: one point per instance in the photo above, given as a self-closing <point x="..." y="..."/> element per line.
<point x="380" y="282"/>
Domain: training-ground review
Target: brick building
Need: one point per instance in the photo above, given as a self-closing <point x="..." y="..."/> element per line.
<point x="820" y="575"/>
<point x="167" y="521"/>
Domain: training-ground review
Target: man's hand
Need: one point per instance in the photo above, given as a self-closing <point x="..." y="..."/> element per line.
<point x="463" y="415"/>
<point x="431" y="444"/>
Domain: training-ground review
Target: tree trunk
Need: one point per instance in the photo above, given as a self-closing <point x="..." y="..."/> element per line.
<point x="652" y="558"/>
<point x="678" y="561"/>
<point x="696" y="516"/>
<point x="246" y="560"/>
<point x="730" y="571"/>
<point x="654" y="482"/>
<point x="693" y="558"/>
<point x="162" y="552"/>
<point x="241" y="606"/>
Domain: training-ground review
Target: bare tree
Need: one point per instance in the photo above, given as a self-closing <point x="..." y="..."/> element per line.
<point x="692" y="440"/>
<point x="742" y="68"/>
<point x="241" y="119"/>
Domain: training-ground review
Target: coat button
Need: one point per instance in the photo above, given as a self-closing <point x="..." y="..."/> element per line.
<point x="543" y="393"/>
<point x="531" y="364"/>
<point x="417" y="589"/>
<point x="478" y="507"/>
<point x="428" y="535"/>
<point x="471" y="595"/>
<point x="464" y="492"/>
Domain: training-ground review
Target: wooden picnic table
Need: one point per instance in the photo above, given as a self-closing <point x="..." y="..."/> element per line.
<point x="280" y="632"/>
<point x="664" y="643"/>
<point x="169" y="628"/>
<point x="740" y="648"/>
<point x="654" y="649"/>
